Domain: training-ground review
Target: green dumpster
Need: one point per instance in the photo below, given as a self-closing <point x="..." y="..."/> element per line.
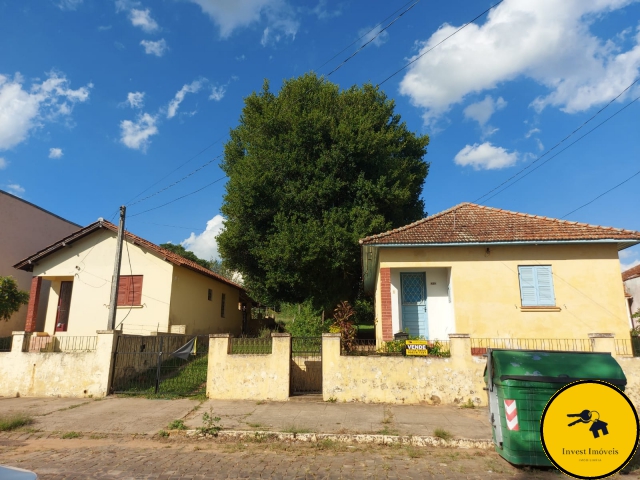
<point x="519" y="385"/>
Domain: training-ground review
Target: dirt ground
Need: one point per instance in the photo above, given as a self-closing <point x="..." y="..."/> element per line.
<point x="178" y="457"/>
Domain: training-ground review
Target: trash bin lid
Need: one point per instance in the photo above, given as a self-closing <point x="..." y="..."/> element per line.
<point x="555" y="367"/>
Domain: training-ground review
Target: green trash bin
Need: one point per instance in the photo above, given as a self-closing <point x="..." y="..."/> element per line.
<point x="521" y="382"/>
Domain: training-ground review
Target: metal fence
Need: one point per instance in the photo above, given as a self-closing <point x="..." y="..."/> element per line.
<point x="306" y="365"/>
<point x="55" y="344"/>
<point x="159" y="365"/>
<point x="5" y="344"/>
<point x="629" y="346"/>
<point x="359" y="347"/>
<point x="479" y="345"/>
<point x="250" y="346"/>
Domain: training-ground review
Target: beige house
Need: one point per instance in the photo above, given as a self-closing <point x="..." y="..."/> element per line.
<point x="25" y="228"/>
<point x="159" y="291"/>
<point x="493" y="273"/>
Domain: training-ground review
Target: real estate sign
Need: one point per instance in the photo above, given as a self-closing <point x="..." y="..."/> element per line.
<point x="417" y="347"/>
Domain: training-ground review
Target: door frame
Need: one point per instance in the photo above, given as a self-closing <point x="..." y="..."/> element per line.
<point x="59" y="326"/>
<point x="401" y="299"/>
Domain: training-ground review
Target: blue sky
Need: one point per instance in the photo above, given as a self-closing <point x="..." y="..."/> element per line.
<point x="105" y="102"/>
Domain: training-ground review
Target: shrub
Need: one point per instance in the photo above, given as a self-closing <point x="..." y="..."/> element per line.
<point x="211" y="425"/>
<point x="305" y="320"/>
<point x="342" y="323"/>
<point x="177" y="425"/>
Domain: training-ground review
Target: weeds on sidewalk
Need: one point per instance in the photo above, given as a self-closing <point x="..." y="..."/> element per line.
<point x="211" y="425"/>
<point x="68" y="435"/>
<point x="163" y="433"/>
<point x="442" y="433"/>
<point x="295" y="430"/>
<point x="468" y="404"/>
<point x="177" y="425"/>
<point x="12" y="421"/>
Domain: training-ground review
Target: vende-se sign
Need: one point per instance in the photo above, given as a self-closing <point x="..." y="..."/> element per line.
<point x="417" y="347"/>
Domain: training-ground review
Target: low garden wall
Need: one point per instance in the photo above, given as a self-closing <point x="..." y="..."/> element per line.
<point x="77" y="373"/>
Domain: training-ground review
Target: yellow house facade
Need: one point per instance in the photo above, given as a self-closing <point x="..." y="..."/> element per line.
<point x="492" y="273"/>
<point x="159" y="291"/>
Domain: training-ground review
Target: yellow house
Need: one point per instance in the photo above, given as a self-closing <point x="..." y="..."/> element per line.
<point x="159" y="291"/>
<point x="493" y="273"/>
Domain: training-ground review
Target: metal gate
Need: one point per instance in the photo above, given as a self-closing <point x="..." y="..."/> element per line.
<point x="166" y="365"/>
<point x="306" y="365"/>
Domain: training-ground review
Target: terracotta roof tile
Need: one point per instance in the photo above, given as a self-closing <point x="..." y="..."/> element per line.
<point x="471" y="223"/>
<point x="633" y="272"/>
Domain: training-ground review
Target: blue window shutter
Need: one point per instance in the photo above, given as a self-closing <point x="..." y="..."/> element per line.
<point x="544" y="279"/>
<point x="528" y="290"/>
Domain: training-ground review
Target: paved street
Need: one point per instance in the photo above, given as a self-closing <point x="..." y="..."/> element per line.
<point x="54" y="458"/>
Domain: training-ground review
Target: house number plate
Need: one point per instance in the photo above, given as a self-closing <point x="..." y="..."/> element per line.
<point x="417" y="347"/>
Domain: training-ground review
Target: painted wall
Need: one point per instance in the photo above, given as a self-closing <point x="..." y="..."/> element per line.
<point x="26" y="230"/>
<point x="631" y="368"/>
<point x="633" y="288"/>
<point x="56" y="374"/>
<point x="89" y="263"/>
<point x="587" y="284"/>
<point x="190" y="306"/>
<point x="401" y="380"/>
<point x="440" y="319"/>
<point x="249" y="377"/>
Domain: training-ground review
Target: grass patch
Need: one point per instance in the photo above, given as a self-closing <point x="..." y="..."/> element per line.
<point x="293" y="429"/>
<point x="387" y="431"/>
<point x="413" y="452"/>
<point x="177" y="425"/>
<point x="68" y="435"/>
<point x="163" y="433"/>
<point x="332" y="400"/>
<point x="468" y="404"/>
<point x="97" y="436"/>
<point x="14" y="420"/>
<point x="256" y="425"/>
<point x="442" y="433"/>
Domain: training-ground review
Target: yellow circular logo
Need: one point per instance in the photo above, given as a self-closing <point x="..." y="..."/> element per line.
<point x="589" y="429"/>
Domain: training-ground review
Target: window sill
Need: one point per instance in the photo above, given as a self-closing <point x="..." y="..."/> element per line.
<point x="130" y="306"/>
<point x="540" y="309"/>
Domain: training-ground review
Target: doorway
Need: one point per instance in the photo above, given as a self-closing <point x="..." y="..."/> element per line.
<point x="64" y="304"/>
<point x="414" y="303"/>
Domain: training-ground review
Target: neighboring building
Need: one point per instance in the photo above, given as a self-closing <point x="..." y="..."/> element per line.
<point x="159" y="291"/>
<point x="492" y="273"/>
<point x="25" y="228"/>
<point x="631" y="279"/>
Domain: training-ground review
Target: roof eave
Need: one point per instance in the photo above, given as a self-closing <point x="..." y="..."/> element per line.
<point x="622" y="243"/>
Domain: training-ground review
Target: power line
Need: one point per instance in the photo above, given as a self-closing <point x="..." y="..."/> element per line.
<point x="559" y="143"/>
<point x="441" y="42"/>
<point x="565" y="148"/>
<point x="179" y="198"/>
<point x="371" y="40"/>
<point x="603" y="194"/>
<point x="177" y="181"/>
<point x="364" y="35"/>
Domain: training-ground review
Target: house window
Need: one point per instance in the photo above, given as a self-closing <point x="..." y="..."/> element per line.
<point x="536" y="286"/>
<point x="130" y="290"/>
<point x="222" y="306"/>
<point x="209" y="294"/>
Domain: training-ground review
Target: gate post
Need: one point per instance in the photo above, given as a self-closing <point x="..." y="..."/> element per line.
<point x="106" y="356"/>
<point x="330" y="362"/>
<point x="281" y="351"/>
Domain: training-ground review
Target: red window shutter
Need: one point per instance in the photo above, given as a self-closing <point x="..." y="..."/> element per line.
<point x="123" y="290"/>
<point x="135" y="290"/>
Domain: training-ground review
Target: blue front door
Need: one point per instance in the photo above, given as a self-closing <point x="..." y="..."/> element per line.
<point x="414" y="303"/>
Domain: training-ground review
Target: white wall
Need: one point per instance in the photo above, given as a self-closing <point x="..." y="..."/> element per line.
<point x="440" y="310"/>
<point x="633" y="287"/>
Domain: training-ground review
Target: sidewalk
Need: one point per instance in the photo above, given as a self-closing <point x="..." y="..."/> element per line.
<point x="114" y="415"/>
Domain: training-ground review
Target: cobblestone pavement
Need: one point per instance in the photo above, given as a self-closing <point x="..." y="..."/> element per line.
<point x="111" y="458"/>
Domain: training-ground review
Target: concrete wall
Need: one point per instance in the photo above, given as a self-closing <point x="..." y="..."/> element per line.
<point x="403" y="380"/>
<point x="190" y="306"/>
<point x="26" y="229"/>
<point x="89" y="264"/>
<point x="249" y="377"/>
<point x="588" y="289"/>
<point x="69" y="374"/>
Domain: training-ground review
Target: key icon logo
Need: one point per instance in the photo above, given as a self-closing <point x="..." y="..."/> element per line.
<point x="587" y="416"/>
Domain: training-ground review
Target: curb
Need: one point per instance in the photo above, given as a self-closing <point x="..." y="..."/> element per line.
<point x="415" y="440"/>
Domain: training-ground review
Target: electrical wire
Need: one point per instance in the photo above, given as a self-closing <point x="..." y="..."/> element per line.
<point x="602" y="194"/>
<point x="371" y="40"/>
<point x="441" y="42"/>
<point x="179" y="198"/>
<point x="565" y="148"/>
<point x="560" y="142"/>
<point x="132" y="284"/>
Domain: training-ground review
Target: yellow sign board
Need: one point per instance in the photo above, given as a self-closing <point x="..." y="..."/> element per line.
<point x="417" y="347"/>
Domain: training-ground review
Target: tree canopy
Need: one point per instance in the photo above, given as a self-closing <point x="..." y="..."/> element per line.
<point x="11" y="297"/>
<point x="188" y="254"/>
<point x="311" y="170"/>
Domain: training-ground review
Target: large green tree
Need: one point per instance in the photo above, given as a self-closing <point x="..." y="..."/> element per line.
<point x="11" y="297"/>
<point x="311" y="170"/>
<point x="188" y="254"/>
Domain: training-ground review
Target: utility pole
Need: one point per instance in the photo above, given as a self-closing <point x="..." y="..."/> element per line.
<point x="115" y="280"/>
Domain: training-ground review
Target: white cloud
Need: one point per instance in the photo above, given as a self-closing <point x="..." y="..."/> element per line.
<point x="323" y="13"/>
<point x="69" y="4"/>
<point x="135" y="99"/>
<point x="532" y="132"/>
<point x="193" y="87"/>
<point x="626" y="266"/>
<point x="546" y="40"/>
<point x="231" y="15"/>
<point x="370" y="34"/>
<point x="104" y="28"/>
<point x="485" y="157"/>
<point x="23" y="110"/>
<point x="3" y="163"/>
<point x="482" y="111"/>
<point x="142" y="19"/>
<point x="157" y="48"/>
<point x="205" y="245"/>
<point x="217" y="93"/>
<point x="55" y="153"/>
<point x="136" y="134"/>
<point x="15" y="189"/>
